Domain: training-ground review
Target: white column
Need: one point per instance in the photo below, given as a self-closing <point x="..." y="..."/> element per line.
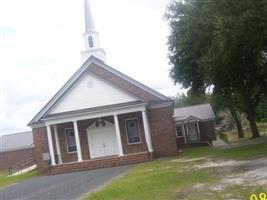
<point x="147" y="131"/>
<point x="50" y="145"/>
<point x="57" y="145"/>
<point x="187" y="134"/>
<point x="198" y="131"/>
<point x="77" y="139"/>
<point x="185" y="139"/>
<point x="118" y="135"/>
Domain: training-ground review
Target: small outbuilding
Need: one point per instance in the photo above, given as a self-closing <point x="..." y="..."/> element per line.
<point x="15" y="148"/>
<point x="194" y="125"/>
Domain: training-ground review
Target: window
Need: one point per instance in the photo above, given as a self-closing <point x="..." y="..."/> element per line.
<point x="133" y="131"/>
<point x="90" y="40"/>
<point x="70" y="139"/>
<point x="179" y="131"/>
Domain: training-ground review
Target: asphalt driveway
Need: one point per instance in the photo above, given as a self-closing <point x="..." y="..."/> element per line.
<point x="63" y="186"/>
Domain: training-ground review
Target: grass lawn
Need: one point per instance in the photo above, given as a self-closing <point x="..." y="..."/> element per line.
<point x="199" y="173"/>
<point x="6" y="180"/>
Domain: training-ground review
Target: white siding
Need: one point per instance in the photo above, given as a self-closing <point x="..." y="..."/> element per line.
<point x="88" y="92"/>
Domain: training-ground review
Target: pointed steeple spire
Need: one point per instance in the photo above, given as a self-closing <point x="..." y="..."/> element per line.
<point x="91" y="37"/>
<point x="89" y="23"/>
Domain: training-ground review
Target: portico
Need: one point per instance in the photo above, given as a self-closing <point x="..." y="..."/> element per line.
<point x="93" y="130"/>
<point x="188" y="129"/>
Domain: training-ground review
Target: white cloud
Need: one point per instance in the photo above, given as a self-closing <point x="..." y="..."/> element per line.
<point x="40" y="44"/>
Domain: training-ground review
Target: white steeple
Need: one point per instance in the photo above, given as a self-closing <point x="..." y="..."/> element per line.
<point x="91" y="37"/>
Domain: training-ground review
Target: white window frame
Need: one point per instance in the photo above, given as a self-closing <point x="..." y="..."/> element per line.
<point x="90" y="41"/>
<point x="66" y="139"/>
<point x="182" y="129"/>
<point x="139" y="131"/>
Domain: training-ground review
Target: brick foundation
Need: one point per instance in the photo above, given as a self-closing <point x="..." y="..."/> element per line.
<point x="100" y="163"/>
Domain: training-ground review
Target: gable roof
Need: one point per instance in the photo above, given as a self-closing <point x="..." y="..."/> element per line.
<point x="191" y="118"/>
<point x="90" y="91"/>
<point x="16" y="141"/>
<point x="202" y="112"/>
<point x="100" y="64"/>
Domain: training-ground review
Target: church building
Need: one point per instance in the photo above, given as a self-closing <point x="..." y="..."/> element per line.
<point x="101" y="117"/>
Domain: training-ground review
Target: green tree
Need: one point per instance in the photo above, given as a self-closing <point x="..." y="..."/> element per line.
<point x="221" y="43"/>
<point x="261" y="111"/>
<point x="224" y="99"/>
<point x="190" y="99"/>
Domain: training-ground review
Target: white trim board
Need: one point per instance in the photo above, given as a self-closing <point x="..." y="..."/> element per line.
<point x="104" y="113"/>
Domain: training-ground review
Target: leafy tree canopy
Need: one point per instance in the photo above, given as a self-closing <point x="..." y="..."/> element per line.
<point x="221" y="43"/>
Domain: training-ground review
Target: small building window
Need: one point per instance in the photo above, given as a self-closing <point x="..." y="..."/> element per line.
<point x="91" y="42"/>
<point x="133" y="131"/>
<point x="179" y="131"/>
<point x="70" y="140"/>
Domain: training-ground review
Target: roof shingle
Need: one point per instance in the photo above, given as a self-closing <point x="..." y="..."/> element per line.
<point x="202" y="112"/>
<point x="16" y="141"/>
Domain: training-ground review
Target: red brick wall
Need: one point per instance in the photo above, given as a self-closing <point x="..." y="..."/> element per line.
<point x="180" y="142"/>
<point x="207" y="131"/>
<point x="132" y="148"/>
<point x="10" y="158"/>
<point x="40" y="147"/>
<point x="162" y="129"/>
<point x="72" y="157"/>
<point x="66" y="157"/>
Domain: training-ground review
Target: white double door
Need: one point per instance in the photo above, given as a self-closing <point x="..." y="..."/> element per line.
<point x="102" y="141"/>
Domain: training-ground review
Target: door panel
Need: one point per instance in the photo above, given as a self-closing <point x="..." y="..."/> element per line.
<point x="110" y="143"/>
<point x="102" y="141"/>
<point x="192" y="132"/>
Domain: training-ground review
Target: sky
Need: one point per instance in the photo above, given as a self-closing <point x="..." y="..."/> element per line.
<point x="41" y="41"/>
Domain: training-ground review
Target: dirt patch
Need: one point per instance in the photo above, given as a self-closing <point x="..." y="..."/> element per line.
<point x="199" y="186"/>
<point x="221" y="163"/>
<point x="183" y="160"/>
<point x="234" y="172"/>
<point x="251" y="172"/>
<point x="217" y="187"/>
<point x="231" y="174"/>
<point x="256" y="176"/>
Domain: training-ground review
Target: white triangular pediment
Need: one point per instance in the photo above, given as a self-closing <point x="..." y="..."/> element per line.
<point x="100" y="124"/>
<point x="191" y="119"/>
<point x="90" y="91"/>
